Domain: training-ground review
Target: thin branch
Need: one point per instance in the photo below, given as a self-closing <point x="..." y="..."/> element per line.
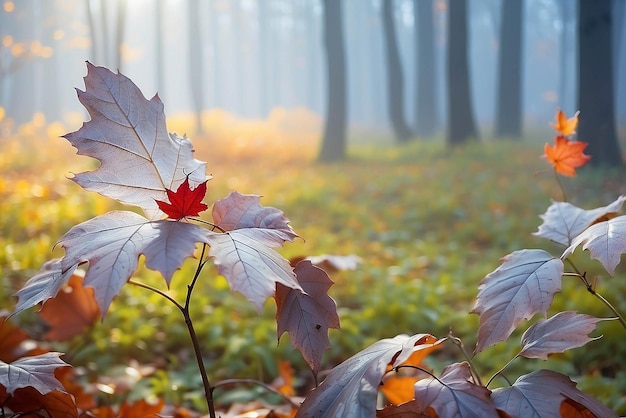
<point x="410" y="366"/>
<point x="208" y="389"/>
<point x="211" y="224"/>
<point x="608" y="304"/>
<point x="258" y="383"/>
<point x="590" y="289"/>
<point x="571" y="263"/>
<point x="457" y="341"/>
<point x="158" y="291"/>
<point x="499" y="372"/>
<point x="195" y="277"/>
<point x="558" y="180"/>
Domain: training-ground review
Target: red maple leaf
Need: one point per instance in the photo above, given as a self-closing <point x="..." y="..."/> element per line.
<point x="184" y="201"/>
<point x="566" y="156"/>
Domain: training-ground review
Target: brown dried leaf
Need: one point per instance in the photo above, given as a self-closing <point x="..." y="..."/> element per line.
<point x="306" y="317"/>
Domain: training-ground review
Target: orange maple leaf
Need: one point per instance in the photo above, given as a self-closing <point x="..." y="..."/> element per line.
<point x="566" y="155"/>
<point x="565" y="126"/>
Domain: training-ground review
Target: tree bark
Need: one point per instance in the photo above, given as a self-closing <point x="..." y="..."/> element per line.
<point x="395" y="80"/>
<point x="426" y="86"/>
<point x="595" y="82"/>
<point x="461" y="125"/>
<point x="509" y="101"/>
<point x="334" y="139"/>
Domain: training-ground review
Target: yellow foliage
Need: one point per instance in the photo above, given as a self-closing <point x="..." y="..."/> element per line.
<point x="286" y="135"/>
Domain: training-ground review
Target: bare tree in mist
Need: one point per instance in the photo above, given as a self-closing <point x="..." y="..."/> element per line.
<point x="425" y="94"/>
<point x="461" y="125"/>
<point x="196" y="68"/>
<point x="106" y="51"/>
<point x="334" y="139"/>
<point x="395" y="79"/>
<point x="509" y="100"/>
<point x="159" y="46"/>
<point x="595" y="82"/>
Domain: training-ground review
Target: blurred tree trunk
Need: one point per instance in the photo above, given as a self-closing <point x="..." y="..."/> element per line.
<point x="334" y="139"/>
<point x="104" y="31"/>
<point x="395" y="80"/>
<point x="160" y="48"/>
<point x="51" y="105"/>
<point x="93" y="33"/>
<point x="101" y="52"/>
<point x="120" y="30"/>
<point x="196" y="68"/>
<point x="311" y="56"/>
<point x="619" y="61"/>
<point x="509" y="101"/>
<point x="264" y="59"/>
<point x="566" y="78"/>
<point x="461" y="125"/>
<point x="595" y="82"/>
<point x="21" y="90"/>
<point x="215" y="64"/>
<point x="425" y="92"/>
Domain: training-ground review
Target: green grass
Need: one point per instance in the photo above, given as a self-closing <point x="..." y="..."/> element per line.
<point x="428" y="222"/>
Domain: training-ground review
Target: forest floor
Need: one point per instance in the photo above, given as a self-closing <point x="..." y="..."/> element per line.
<point x="427" y="222"/>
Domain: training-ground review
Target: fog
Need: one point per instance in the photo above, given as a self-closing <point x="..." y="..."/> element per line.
<point x="248" y="57"/>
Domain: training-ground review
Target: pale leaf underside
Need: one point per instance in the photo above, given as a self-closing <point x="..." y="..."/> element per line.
<point x="540" y="393"/>
<point x="43" y="286"/>
<point x="127" y="134"/>
<point x="559" y="333"/>
<point x="523" y="285"/>
<point x="36" y="371"/>
<point x="606" y="242"/>
<point x="112" y="243"/>
<point x="453" y="395"/>
<point x="350" y="390"/>
<point x="239" y="211"/>
<point x="246" y="259"/>
<point x="564" y="221"/>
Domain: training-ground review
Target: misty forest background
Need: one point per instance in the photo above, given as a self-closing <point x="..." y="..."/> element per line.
<point x="265" y="89"/>
<point x="400" y="64"/>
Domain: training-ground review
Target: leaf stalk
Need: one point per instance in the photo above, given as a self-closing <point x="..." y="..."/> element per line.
<point x="184" y="309"/>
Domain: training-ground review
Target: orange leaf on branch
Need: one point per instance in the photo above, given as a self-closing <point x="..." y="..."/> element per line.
<point x="565" y="126"/>
<point x="566" y="156"/>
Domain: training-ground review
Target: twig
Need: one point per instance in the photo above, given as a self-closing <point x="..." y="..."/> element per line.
<point x="457" y="341"/>
<point x="558" y="180"/>
<point x="208" y="389"/>
<point x="499" y="372"/>
<point x="591" y="290"/>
